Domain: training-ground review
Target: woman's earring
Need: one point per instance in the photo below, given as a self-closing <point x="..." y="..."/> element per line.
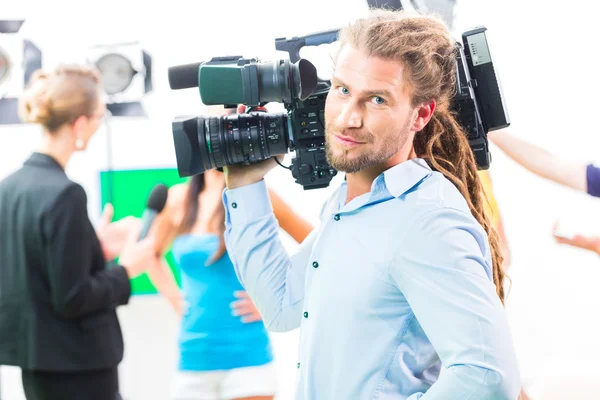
<point x="79" y="144"/>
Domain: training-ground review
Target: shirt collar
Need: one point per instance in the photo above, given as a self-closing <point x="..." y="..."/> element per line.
<point x="393" y="182"/>
<point x="402" y="177"/>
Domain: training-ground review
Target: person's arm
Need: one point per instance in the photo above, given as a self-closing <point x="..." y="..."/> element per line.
<point x="274" y="281"/>
<point x="503" y="243"/>
<point x="165" y="231"/>
<point x="491" y="208"/>
<point x="591" y="243"/>
<point x="70" y="255"/>
<point x="162" y="278"/>
<point x="296" y="226"/>
<point x="113" y="235"/>
<point x="453" y="297"/>
<point x="541" y="162"/>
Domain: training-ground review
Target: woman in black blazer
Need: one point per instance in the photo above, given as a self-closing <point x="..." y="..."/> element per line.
<point x="57" y="295"/>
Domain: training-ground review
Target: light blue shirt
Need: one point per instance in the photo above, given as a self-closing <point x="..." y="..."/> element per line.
<point x="393" y="293"/>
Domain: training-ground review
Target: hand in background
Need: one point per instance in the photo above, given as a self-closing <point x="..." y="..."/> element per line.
<point x="245" y="308"/>
<point x="583" y="242"/>
<point x="137" y="257"/>
<point x="523" y="395"/>
<point x="113" y="235"/>
<point x="179" y="304"/>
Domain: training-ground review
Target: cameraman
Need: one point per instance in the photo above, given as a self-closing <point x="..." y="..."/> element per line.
<point x="579" y="176"/>
<point x="404" y="275"/>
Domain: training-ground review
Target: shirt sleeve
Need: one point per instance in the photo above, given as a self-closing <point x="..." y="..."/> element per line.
<point x="442" y="267"/>
<point x="593" y="180"/>
<point x="75" y="290"/>
<point x="273" y="279"/>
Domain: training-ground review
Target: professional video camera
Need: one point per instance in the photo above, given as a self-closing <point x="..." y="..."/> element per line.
<point x="208" y="142"/>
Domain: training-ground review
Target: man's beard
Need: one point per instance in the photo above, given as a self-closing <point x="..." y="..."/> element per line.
<point x="343" y="163"/>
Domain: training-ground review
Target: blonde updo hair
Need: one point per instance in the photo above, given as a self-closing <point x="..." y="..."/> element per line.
<point x="60" y="97"/>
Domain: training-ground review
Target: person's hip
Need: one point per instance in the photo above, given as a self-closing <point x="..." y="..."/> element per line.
<point x="225" y="384"/>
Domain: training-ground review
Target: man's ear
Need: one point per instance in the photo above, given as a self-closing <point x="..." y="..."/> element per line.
<point x="424" y="114"/>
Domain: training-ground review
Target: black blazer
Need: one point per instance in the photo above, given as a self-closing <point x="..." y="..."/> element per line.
<point x="57" y="296"/>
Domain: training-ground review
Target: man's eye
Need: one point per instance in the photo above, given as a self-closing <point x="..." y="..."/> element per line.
<point x="343" y="90"/>
<point x="378" y="100"/>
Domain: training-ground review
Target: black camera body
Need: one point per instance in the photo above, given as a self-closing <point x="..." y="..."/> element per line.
<point x="310" y="167"/>
<point x="204" y="142"/>
<point x="478" y="102"/>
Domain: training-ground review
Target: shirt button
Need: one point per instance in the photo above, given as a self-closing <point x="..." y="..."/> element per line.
<point x="298" y="365"/>
<point x="315" y="264"/>
<point x="234" y="205"/>
<point x="305" y="314"/>
<point x="337" y="217"/>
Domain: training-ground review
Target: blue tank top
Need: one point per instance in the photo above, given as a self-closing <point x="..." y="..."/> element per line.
<point x="211" y="337"/>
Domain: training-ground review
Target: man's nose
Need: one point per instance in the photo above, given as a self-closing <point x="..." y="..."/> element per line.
<point x="351" y="116"/>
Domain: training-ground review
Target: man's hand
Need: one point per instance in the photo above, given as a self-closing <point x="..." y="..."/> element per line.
<point x="242" y="175"/>
<point x="583" y="242"/>
<point x="245" y="308"/>
<point x="113" y="235"/>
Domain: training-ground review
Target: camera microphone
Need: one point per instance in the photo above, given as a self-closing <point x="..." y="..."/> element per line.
<point x="156" y="203"/>
<point x="184" y="76"/>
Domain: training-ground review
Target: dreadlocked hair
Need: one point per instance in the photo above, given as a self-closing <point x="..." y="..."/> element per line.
<point x="424" y="46"/>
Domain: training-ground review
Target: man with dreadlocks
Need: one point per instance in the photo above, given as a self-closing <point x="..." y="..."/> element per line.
<point x="399" y="293"/>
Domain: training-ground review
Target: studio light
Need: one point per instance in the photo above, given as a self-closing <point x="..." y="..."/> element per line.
<point x="127" y="76"/>
<point x="19" y="59"/>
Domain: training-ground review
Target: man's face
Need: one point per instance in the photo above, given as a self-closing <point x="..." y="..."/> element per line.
<point x="368" y="113"/>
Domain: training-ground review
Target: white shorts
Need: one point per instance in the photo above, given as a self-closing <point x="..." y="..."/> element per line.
<point x="225" y="385"/>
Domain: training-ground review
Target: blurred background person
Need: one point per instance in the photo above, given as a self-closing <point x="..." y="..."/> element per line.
<point x="492" y="209"/>
<point x="224" y="348"/>
<point x="583" y="177"/>
<point x="57" y="297"/>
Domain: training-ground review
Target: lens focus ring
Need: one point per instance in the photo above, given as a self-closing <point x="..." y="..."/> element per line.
<point x="215" y="141"/>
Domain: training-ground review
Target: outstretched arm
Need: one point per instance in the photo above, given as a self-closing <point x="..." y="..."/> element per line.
<point x="540" y="161"/>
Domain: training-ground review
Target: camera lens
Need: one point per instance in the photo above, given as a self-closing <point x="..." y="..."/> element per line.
<point x="204" y="143"/>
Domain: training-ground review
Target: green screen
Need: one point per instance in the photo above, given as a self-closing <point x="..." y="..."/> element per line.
<point x="128" y="191"/>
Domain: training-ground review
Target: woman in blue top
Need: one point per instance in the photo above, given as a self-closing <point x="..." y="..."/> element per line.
<point x="225" y="352"/>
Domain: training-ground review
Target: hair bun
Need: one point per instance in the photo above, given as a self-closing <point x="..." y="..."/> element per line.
<point x="60" y="97"/>
<point x="34" y="105"/>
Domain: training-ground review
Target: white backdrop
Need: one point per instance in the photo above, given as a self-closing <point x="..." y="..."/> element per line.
<point x="543" y="52"/>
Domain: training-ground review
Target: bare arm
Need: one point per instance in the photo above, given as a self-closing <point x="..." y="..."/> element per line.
<point x="503" y="244"/>
<point x="161" y="276"/>
<point x="296" y="226"/>
<point x="540" y="161"/>
<point x="165" y="231"/>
